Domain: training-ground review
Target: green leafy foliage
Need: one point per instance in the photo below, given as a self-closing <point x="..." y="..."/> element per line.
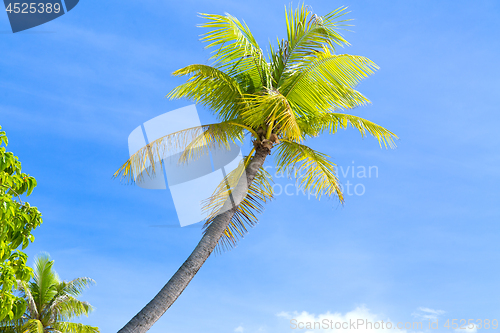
<point x="18" y="219"/>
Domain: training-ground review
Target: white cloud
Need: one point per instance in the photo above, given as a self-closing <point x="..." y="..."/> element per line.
<point x="360" y="320"/>
<point x="284" y="314"/>
<point x="424" y="313"/>
<point x="239" y="329"/>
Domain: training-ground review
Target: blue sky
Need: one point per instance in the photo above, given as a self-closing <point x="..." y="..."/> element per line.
<point x="421" y="240"/>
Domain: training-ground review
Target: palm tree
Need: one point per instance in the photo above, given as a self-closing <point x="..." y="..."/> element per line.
<point x="51" y="303"/>
<point x="300" y="91"/>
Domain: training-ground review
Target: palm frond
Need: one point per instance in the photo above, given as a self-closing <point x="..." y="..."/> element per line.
<point x="211" y="87"/>
<point x="67" y="327"/>
<point x="311" y="169"/>
<point x="76" y="286"/>
<point x="219" y="135"/>
<point x="33" y="326"/>
<point x="258" y="193"/>
<point x="231" y="39"/>
<point x="28" y="297"/>
<point x="192" y="142"/>
<point x="44" y="281"/>
<point x="272" y="110"/>
<point x="306" y="31"/>
<point x="234" y="48"/>
<point x="307" y="34"/>
<point x="333" y="78"/>
<point x="67" y="307"/>
<point x="333" y="121"/>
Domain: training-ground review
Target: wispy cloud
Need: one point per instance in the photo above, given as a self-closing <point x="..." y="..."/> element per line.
<point x="424" y="313"/>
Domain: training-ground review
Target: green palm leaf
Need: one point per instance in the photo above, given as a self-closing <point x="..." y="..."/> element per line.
<point x="66" y="307"/>
<point x="28" y="297"/>
<point x="258" y="193"/>
<point x="44" y="281"/>
<point x="33" y="326"/>
<point x="235" y="48"/>
<point x="311" y="169"/>
<point x="220" y="135"/>
<point x="333" y="78"/>
<point x="335" y="121"/>
<point x="225" y="89"/>
<point x="307" y="34"/>
<point x="66" y="327"/>
<point x="76" y="286"/>
<point x="191" y="143"/>
<point x="272" y="110"/>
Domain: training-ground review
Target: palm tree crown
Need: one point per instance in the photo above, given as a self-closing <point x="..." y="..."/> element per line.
<point x="51" y="303"/>
<point x="298" y="92"/>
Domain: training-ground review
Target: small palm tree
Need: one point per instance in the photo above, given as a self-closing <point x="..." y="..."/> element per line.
<point x="299" y="91"/>
<point x="51" y="303"/>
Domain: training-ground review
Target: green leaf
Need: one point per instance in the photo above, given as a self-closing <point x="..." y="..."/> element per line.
<point x="18" y="221"/>
<point x="19" y="308"/>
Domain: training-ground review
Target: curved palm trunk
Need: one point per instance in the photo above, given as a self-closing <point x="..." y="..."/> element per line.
<point x="143" y="321"/>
